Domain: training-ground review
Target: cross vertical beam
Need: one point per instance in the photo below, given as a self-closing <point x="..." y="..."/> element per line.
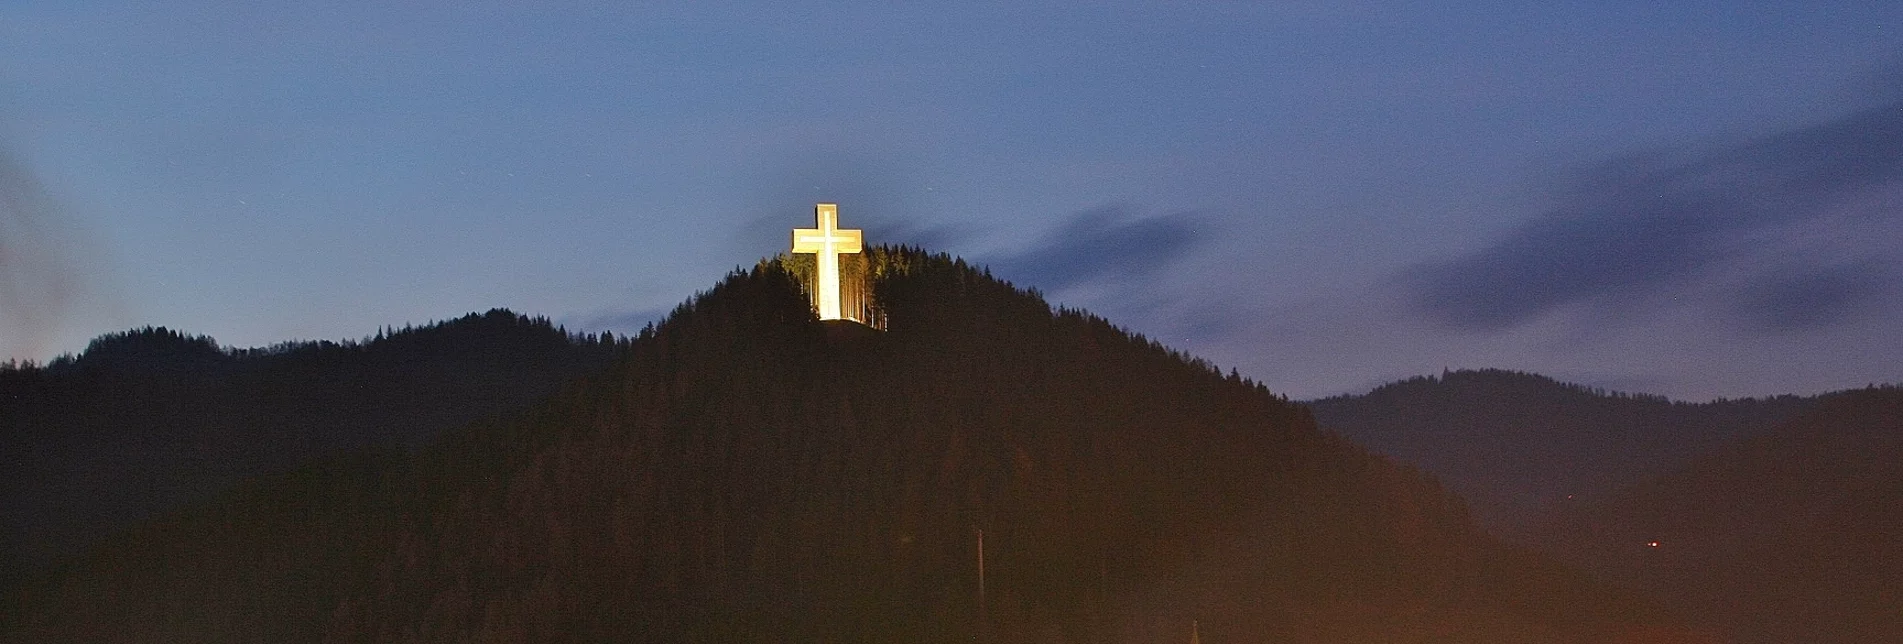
<point x="826" y="243"/>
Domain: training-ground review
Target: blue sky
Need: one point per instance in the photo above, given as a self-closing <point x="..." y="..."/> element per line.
<point x="1697" y="199"/>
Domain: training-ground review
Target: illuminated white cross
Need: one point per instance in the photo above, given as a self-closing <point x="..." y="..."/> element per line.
<point x="826" y="243"/>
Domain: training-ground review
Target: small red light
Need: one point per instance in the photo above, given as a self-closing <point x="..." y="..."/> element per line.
<point x="1653" y="544"/>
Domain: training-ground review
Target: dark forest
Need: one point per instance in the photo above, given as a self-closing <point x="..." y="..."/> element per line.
<point x="742" y="472"/>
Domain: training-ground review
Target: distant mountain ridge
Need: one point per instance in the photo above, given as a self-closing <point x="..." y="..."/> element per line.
<point x="1773" y="520"/>
<point x="1788" y="535"/>
<point x="1516" y="443"/>
<point x="742" y="472"/>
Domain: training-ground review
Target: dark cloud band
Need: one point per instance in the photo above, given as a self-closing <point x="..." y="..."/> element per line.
<point x="1810" y="300"/>
<point x="1634" y="227"/>
<point x="1102" y="244"/>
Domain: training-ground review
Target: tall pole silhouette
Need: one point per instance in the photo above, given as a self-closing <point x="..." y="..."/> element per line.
<point x="982" y="630"/>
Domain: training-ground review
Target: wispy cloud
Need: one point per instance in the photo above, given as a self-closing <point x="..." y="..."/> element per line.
<point x="1810" y="300"/>
<point x="1102" y="244"/>
<point x="1636" y="225"/>
<point x="38" y="281"/>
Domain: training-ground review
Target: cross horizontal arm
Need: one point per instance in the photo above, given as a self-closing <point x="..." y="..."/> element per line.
<point x="813" y="240"/>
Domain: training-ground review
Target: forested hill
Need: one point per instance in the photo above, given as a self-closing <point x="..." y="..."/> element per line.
<point x="746" y="473"/>
<point x="1789" y="536"/>
<point x="1515" y="444"/>
<point x="146" y="420"/>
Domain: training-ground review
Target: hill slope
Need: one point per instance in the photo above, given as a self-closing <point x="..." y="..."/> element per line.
<point x="1515" y="444"/>
<point x="749" y="474"/>
<point x="150" y="419"/>
<point x="1789" y="536"/>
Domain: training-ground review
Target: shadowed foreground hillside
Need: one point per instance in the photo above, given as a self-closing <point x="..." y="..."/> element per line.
<point x="749" y="474"/>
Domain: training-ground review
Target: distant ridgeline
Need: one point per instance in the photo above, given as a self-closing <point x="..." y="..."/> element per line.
<point x="1514" y="443"/>
<point x="152" y="419"/>
<point x="157" y="347"/>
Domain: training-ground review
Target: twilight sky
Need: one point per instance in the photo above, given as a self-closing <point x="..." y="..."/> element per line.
<point x="1697" y="199"/>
